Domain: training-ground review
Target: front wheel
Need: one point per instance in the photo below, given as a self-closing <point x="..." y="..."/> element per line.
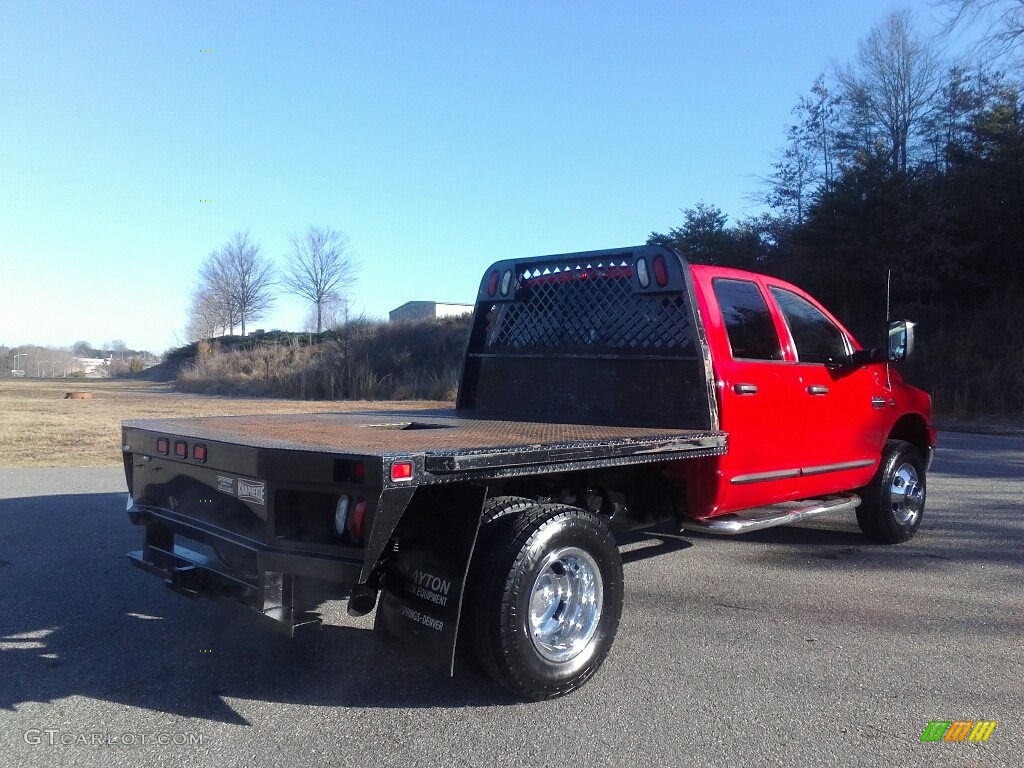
<point x="546" y="592"/>
<point x="893" y="502"/>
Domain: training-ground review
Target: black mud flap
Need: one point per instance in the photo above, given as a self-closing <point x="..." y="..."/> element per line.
<point x="423" y="583"/>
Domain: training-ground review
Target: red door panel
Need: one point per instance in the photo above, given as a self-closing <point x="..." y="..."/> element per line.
<point x="842" y="424"/>
<point x="756" y="389"/>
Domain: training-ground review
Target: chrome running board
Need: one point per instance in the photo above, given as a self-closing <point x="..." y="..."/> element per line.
<point x="768" y="517"/>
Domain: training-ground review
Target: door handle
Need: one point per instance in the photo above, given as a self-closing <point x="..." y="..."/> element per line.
<point x="817" y="389"/>
<point x="745" y="389"/>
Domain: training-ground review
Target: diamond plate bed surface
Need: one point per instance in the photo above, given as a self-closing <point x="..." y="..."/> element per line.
<point x="437" y="432"/>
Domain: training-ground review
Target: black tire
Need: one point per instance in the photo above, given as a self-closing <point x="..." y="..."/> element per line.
<point x="535" y="566"/>
<point x="500" y="506"/>
<point x="892" y="504"/>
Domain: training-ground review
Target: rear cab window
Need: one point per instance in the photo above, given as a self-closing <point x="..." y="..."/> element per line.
<point x="817" y="339"/>
<point x="748" y="321"/>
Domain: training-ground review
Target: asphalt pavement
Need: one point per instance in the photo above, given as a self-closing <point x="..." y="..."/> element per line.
<point x="797" y="646"/>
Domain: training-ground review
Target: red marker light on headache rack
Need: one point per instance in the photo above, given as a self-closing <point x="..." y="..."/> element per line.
<point x="492" y="283"/>
<point x="401" y="470"/>
<point x="660" y="271"/>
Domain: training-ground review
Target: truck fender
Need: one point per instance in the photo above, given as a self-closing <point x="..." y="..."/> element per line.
<point x="424" y="578"/>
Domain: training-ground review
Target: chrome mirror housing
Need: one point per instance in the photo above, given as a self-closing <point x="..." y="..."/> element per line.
<point x="901" y="340"/>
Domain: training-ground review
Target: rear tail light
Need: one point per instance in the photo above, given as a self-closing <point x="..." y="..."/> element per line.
<point x="492" y="283"/>
<point x="350" y="518"/>
<point x="199" y="453"/>
<point x="341" y="515"/>
<point x="181" y="449"/>
<point x="358" y="520"/>
<point x="163" y="445"/>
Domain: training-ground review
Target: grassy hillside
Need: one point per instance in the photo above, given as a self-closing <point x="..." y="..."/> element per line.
<point x="362" y="361"/>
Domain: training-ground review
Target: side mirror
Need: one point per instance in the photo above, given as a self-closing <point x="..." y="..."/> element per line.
<point x="866" y="357"/>
<point x="901" y="340"/>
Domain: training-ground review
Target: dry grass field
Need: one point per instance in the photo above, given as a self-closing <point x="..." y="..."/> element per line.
<point x="40" y="428"/>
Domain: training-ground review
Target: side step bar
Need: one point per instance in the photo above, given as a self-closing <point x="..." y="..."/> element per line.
<point x="768" y="517"/>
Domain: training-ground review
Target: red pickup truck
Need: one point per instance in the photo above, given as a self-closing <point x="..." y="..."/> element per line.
<point x="601" y="391"/>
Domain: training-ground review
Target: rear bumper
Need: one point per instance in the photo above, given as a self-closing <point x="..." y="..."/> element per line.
<point x="272" y="584"/>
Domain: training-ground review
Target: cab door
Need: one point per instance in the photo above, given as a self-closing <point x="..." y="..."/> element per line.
<point x="756" y="390"/>
<point x="841" y="407"/>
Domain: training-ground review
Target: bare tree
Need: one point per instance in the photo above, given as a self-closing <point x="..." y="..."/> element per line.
<point x="333" y="315"/>
<point x="790" y="185"/>
<point x="82" y="348"/>
<point x="250" y="276"/>
<point x="206" y="317"/>
<point x="1002" y="21"/>
<point x="817" y="130"/>
<point x="213" y="306"/>
<point x="321" y="268"/>
<point x="235" y="285"/>
<point x="805" y="167"/>
<point x="891" y="87"/>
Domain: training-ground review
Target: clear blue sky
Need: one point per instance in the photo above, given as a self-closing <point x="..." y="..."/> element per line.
<point x="439" y="136"/>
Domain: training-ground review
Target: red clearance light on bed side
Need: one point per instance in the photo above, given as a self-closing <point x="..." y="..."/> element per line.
<point x="199" y="453"/>
<point x="492" y="283"/>
<point x="660" y="271"/>
<point x="401" y="470"/>
<point x="359" y="471"/>
<point x="181" y="449"/>
<point x="163" y="445"/>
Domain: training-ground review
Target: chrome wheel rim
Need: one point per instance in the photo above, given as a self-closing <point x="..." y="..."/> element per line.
<point x="906" y="494"/>
<point x="565" y="604"/>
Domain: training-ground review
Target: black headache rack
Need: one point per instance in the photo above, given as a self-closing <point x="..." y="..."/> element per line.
<point x="599" y="337"/>
<point x="576" y="362"/>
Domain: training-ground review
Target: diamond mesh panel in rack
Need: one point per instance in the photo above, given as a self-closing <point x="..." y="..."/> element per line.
<point x="589" y="307"/>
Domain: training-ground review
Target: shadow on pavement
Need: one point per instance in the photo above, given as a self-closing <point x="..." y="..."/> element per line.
<point x="79" y="620"/>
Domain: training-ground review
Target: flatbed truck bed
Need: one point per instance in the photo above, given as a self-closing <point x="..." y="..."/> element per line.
<point x="446" y="444"/>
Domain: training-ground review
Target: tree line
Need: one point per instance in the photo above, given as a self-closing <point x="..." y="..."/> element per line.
<point x="908" y="163"/>
<point x="238" y="283"/>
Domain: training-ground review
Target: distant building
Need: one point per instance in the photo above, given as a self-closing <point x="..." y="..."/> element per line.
<point x="91" y="367"/>
<point x="423" y="310"/>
